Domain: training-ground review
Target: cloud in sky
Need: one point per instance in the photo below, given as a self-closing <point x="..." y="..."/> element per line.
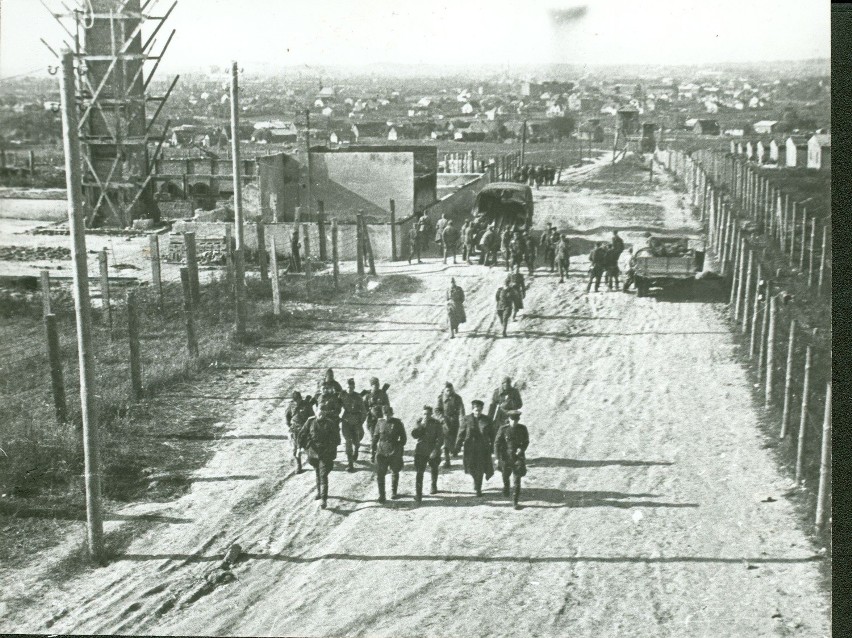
<point x="468" y="32"/>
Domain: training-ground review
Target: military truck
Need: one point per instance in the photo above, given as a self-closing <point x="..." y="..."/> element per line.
<point x="666" y="262"/>
<point x="504" y="204"/>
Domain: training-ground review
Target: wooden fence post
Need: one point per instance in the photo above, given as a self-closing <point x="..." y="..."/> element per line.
<point x="740" y="280"/>
<point x="229" y="259"/>
<point x="156" y="273"/>
<point x="191" y="341"/>
<point x="788" y="380"/>
<point x="393" y="229"/>
<point x="307" y="257"/>
<point x="811" y="253"/>
<point x="276" y="283"/>
<point x="359" y="249"/>
<point x="824" y="463"/>
<point x="794" y="216"/>
<point x="57" y="380"/>
<point x="804" y="238"/>
<point x="45" y="292"/>
<point x="822" y="259"/>
<point x="107" y="307"/>
<point x="323" y="246"/>
<point x="770" y="350"/>
<point x="754" y="318"/>
<point x="192" y="266"/>
<point x="368" y="246"/>
<point x="735" y="279"/>
<point x="133" y="339"/>
<point x="800" y="447"/>
<point x="747" y="294"/>
<point x="261" y="251"/>
<point x="335" y="264"/>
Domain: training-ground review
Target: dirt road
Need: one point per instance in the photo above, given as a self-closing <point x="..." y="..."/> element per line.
<point x="644" y="510"/>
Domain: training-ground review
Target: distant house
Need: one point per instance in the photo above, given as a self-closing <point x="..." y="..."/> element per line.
<point x="797" y="151"/>
<point x="691" y="123"/>
<point x="184" y="135"/>
<point x="591" y="131"/>
<point x="706" y="127"/>
<point x="326" y="92"/>
<point x="342" y="136"/>
<point x="734" y="132"/>
<point x="275" y="132"/>
<point x="467" y="108"/>
<point x="819" y="151"/>
<point x="371" y="128"/>
<point x="765" y="127"/>
<point x="777" y="151"/>
<point x="327" y="111"/>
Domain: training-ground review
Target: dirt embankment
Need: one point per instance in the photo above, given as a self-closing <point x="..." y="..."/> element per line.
<point x="646" y="508"/>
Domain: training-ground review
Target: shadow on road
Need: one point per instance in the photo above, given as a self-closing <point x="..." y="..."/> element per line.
<point x="548" y="461"/>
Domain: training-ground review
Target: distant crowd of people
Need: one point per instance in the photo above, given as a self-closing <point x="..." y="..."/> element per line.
<point x="539" y="175"/>
<point x="316" y="423"/>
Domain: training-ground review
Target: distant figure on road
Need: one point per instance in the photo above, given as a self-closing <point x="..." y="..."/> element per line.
<point x="295" y="246"/>
<point x="476" y="437"/>
<point x="563" y="258"/>
<point x="450" y="240"/>
<point x="464" y="239"/>
<point x="449" y="411"/>
<point x="455" y="307"/>
<point x="510" y="448"/>
<point x="424" y="227"/>
<point x="617" y="244"/>
<point x="297" y="414"/>
<point x="388" y="445"/>
<point x="352" y="423"/>
<point x="631" y="274"/>
<point x="597" y="265"/>
<point x="505" y="298"/>
<point x="414" y="244"/>
<point x="506" y="246"/>
<point x="612" y="271"/>
<point x="439" y="231"/>
<point x="529" y="254"/>
<point x="518" y="288"/>
<point x="321" y="436"/>
<point x="430" y="437"/>
<point x="489" y="244"/>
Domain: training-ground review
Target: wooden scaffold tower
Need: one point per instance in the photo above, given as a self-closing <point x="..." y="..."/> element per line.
<point x="120" y="143"/>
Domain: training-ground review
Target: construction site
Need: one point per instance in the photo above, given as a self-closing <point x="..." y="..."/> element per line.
<point x="166" y="285"/>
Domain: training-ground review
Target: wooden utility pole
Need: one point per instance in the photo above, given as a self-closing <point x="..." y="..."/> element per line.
<point x="310" y="201"/>
<point x="811" y="253"/>
<point x="523" y="143"/>
<point x="368" y="246"/>
<point x="45" y="292"/>
<point x="824" y="463"/>
<point x="82" y="309"/>
<point x="156" y="275"/>
<point x="393" y="229"/>
<point x="788" y="380"/>
<point x="276" y="284"/>
<point x="803" y="418"/>
<point x="359" y="252"/>
<point x="192" y="266"/>
<point x="770" y="352"/>
<point x="239" y="252"/>
<point x="307" y="257"/>
<point x="323" y="248"/>
<point x="191" y="339"/>
<point x="747" y="295"/>
<point x="822" y="260"/>
<point x="261" y="251"/>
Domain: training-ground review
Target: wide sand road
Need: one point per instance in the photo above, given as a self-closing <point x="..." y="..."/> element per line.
<point x="643" y="508"/>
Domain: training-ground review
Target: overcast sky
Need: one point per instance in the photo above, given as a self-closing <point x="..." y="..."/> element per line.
<point x="333" y="32"/>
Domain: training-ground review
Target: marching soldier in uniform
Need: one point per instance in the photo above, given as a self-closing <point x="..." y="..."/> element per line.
<point x="450" y="240"/>
<point x="516" y="280"/>
<point x="563" y="258"/>
<point x="352" y="423"/>
<point x="455" y="307"/>
<point x="388" y="444"/>
<point x="597" y="265"/>
<point x="504" y="401"/>
<point x="414" y="244"/>
<point x="430" y="437"/>
<point x="449" y="410"/>
<point x="506" y="246"/>
<point x="297" y="414"/>
<point x="510" y="449"/>
<point x="320" y="438"/>
<point x="375" y="399"/>
<point x="329" y="393"/>
<point x="476" y="436"/>
<point x="506" y="299"/>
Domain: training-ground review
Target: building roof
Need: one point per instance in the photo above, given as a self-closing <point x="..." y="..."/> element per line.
<point x="823" y="139"/>
<point x="798" y="140"/>
<point x="766" y="123"/>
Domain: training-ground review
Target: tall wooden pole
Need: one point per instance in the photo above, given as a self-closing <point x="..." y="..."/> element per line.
<point x="82" y="309"/>
<point x="239" y="252"/>
<point x="822" y="260"/>
<point x="335" y="264"/>
<point x="752" y="350"/>
<point x="45" y="292"/>
<point x="524" y="142"/>
<point x="105" y="300"/>
<point x="309" y="194"/>
<point x="57" y="381"/>
<point x="747" y="295"/>
<point x="323" y="248"/>
<point x="811" y="253"/>
<point x="824" y="463"/>
<point x="803" y="418"/>
<point x="156" y="275"/>
<point x="133" y="339"/>
<point x="276" y="283"/>
<point x="359" y="251"/>
<point x="393" y="229"/>
<point x="770" y="352"/>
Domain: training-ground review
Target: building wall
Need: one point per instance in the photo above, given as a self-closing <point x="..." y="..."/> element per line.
<point x="796" y="157"/>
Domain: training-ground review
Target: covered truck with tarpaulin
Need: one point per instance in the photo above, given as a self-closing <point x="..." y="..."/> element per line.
<point x="666" y="262"/>
<point x="504" y="204"/>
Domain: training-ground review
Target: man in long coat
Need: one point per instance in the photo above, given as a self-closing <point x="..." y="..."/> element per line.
<point x="352" y="423"/>
<point x="450" y="240"/>
<point x="375" y="398"/>
<point x="455" y="307"/>
<point x="563" y="258"/>
<point x="449" y="410"/>
<point x="476" y="436"/>
<point x="430" y="437"/>
<point x="388" y="445"/>
<point x="510" y="448"/>
<point x="320" y="437"/>
<point x="506" y="300"/>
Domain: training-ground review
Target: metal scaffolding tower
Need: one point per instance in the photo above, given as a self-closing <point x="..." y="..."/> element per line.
<point x="120" y="143"/>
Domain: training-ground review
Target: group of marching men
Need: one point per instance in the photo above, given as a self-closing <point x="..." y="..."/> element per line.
<point x="317" y="422"/>
<point x="535" y="175"/>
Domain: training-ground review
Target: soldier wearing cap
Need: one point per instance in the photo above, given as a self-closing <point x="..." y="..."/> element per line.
<point x="375" y="399"/>
<point x="510" y="448"/>
<point x="476" y="436"/>
<point x="352" y="422"/>
<point x="430" y="437"/>
<point x="297" y="414"/>
<point x="449" y="410"/>
<point x="388" y="445"/>
<point x="505" y="399"/>
<point x="320" y="437"/>
<point x="328" y="394"/>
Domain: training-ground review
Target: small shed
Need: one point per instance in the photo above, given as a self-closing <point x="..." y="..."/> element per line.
<point x="765" y="127"/>
<point x="819" y="151"/>
<point x="706" y="127"/>
<point x="777" y="151"/>
<point x="797" y="151"/>
<point x="762" y="151"/>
